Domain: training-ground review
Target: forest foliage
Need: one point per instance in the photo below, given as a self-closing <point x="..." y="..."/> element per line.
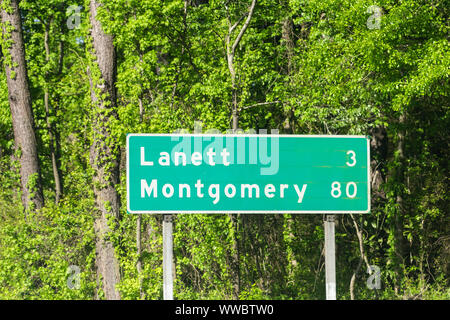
<point x="376" y="68"/>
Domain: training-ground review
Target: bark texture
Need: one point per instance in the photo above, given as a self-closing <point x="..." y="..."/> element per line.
<point x="21" y="111"/>
<point x="104" y="153"/>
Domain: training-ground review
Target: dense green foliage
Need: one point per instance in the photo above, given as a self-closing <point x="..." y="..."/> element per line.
<point x="303" y="67"/>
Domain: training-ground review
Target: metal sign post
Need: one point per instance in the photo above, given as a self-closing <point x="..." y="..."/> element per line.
<point x="330" y="258"/>
<point x="167" y="257"/>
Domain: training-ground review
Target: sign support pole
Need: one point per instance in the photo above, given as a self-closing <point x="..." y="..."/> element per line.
<point x="167" y="257"/>
<point x="330" y="258"/>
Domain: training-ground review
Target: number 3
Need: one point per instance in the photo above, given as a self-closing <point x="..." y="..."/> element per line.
<point x="352" y="157"/>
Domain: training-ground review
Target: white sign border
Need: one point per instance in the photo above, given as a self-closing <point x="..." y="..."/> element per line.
<point x="248" y="211"/>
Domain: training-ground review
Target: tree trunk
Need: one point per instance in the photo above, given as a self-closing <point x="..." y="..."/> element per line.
<point x="104" y="153"/>
<point x="400" y="241"/>
<point x="234" y="102"/>
<point x="50" y="129"/>
<point x="231" y="47"/>
<point x="287" y="35"/>
<point x="21" y="110"/>
<point x="235" y="261"/>
<point x="363" y="257"/>
<point x="379" y="156"/>
<point x="235" y="264"/>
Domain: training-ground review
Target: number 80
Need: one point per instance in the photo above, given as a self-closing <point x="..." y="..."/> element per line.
<point x="336" y="189"/>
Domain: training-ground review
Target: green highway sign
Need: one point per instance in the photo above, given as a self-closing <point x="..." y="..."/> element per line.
<point x="240" y="173"/>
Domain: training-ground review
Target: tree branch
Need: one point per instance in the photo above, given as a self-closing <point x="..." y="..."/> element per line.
<point x="260" y="104"/>
<point x="231" y="28"/>
<point x="363" y="257"/>
<point x="244" y="27"/>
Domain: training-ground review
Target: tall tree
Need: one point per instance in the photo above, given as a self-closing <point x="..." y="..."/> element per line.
<point x="231" y="47"/>
<point x="51" y="129"/>
<point x="104" y="153"/>
<point x="20" y="104"/>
